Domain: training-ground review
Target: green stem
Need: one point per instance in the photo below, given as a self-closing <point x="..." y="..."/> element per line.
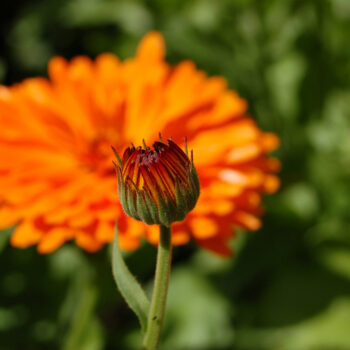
<point x="83" y="314"/>
<point x="160" y="290"/>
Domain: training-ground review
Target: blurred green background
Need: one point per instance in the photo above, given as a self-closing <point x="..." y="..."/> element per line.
<point x="288" y="286"/>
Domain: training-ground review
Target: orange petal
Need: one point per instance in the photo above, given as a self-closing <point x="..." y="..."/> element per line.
<point x="128" y="243"/>
<point x="82" y="220"/>
<point x="153" y="234"/>
<point x="53" y="240"/>
<point x="25" y="235"/>
<point x="218" y="206"/>
<point x="105" y="232"/>
<point x="57" y="68"/>
<point x="244" y="153"/>
<point x="107" y="64"/>
<point x="247" y="220"/>
<point x="88" y="242"/>
<point x="203" y="227"/>
<point x="151" y="47"/>
<point x="216" y="245"/>
<point x="135" y="228"/>
<point x="180" y="237"/>
<point x="8" y="217"/>
<point x="271" y="183"/>
<point x="270" y="141"/>
<point x="81" y="69"/>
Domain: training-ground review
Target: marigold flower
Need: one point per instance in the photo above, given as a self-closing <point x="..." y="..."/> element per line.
<point x="158" y="186"/>
<point x="57" y="181"/>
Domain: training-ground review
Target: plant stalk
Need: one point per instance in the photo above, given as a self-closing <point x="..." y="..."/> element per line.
<point x="160" y="290"/>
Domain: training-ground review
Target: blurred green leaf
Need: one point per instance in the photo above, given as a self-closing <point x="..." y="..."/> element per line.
<point x="302" y="200"/>
<point x="197" y="315"/>
<point x="284" y="78"/>
<point x="327" y="331"/>
<point x="4" y="238"/>
<point x="132" y="16"/>
<point x="337" y="259"/>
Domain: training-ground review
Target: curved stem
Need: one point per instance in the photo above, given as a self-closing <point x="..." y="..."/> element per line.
<point x="160" y="290"/>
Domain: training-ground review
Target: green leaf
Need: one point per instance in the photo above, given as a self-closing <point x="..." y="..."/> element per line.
<point x="128" y="286"/>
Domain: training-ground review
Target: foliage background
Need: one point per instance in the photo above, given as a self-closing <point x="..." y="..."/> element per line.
<point x="288" y="286"/>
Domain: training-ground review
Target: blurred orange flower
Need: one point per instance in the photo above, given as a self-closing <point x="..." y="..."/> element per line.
<point x="57" y="180"/>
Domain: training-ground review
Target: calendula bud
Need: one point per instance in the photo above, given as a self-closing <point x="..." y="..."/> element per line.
<point x="159" y="185"/>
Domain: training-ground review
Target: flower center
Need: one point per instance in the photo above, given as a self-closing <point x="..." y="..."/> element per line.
<point x="147" y="157"/>
<point x="98" y="157"/>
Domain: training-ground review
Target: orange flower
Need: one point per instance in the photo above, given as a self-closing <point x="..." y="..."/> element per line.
<point x="57" y="180"/>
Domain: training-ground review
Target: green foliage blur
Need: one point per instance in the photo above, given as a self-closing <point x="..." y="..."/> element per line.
<point x="288" y="285"/>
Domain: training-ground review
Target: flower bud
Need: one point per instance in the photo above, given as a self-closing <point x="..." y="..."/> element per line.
<point x="159" y="185"/>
